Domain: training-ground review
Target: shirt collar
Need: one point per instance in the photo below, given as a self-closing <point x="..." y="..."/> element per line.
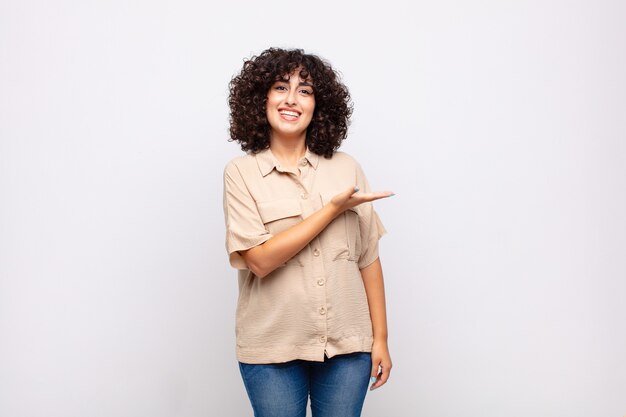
<point x="267" y="161"/>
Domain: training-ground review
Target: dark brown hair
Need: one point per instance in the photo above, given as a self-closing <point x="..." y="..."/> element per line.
<point x="248" y="97"/>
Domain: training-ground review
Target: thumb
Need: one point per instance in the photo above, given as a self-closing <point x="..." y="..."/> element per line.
<point x="340" y="199"/>
<point x="349" y="192"/>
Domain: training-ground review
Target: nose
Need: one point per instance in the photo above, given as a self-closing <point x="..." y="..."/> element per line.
<point x="292" y="97"/>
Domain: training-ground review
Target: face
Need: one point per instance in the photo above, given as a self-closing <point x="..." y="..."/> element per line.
<point x="290" y="105"/>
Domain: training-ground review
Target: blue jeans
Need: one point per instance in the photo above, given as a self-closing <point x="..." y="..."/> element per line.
<point x="337" y="386"/>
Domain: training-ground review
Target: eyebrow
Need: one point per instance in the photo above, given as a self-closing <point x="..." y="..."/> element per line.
<point x="301" y="84"/>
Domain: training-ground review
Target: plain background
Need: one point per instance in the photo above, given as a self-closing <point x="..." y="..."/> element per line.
<point x="500" y="126"/>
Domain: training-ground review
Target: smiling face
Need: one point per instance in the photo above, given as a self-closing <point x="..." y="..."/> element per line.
<point x="289" y="107"/>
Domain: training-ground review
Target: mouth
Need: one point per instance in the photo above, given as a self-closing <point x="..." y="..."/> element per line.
<point x="289" y="115"/>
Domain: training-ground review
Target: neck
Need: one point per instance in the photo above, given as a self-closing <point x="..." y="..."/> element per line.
<point x="288" y="152"/>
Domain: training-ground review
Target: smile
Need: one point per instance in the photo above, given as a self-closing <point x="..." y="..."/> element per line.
<point x="289" y="115"/>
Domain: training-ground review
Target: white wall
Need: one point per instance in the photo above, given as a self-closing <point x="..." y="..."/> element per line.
<point x="500" y="126"/>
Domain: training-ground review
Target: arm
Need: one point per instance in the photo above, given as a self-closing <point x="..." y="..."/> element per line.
<point x="265" y="258"/>
<point x="268" y="256"/>
<point x="375" y="289"/>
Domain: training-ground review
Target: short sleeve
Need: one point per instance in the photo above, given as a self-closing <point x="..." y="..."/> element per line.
<point x="370" y="226"/>
<point x="244" y="227"/>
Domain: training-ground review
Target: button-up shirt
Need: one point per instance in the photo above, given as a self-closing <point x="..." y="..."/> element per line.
<point x="315" y="303"/>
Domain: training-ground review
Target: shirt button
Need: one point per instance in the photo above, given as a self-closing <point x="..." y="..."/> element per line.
<point x="303" y="162"/>
<point x="323" y="339"/>
<point x="320" y="282"/>
<point x="322" y="311"/>
<point x="316" y="252"/>
<point x="304" y="196"/>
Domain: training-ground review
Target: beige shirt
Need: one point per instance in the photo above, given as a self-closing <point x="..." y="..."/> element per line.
<point x="316" y="302"/>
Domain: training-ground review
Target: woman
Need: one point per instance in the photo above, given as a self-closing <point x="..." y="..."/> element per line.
<point x="303" y="234"/>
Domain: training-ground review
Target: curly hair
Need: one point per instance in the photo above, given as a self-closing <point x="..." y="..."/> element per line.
<point x="248" y="97"/>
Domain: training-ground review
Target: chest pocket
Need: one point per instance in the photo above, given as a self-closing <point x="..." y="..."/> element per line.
<point x="343" y="236"/>
<point x="280" y="215"/>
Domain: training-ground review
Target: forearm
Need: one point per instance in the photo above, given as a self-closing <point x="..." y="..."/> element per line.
<point x="265" y="258"/>
<point x="375" y="289"/>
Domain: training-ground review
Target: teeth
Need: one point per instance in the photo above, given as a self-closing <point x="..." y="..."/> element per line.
<point x="289" y="113"/>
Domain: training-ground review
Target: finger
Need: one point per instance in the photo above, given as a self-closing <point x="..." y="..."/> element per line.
<point x="374" y="373"/>
<point x="350" y="191"/>
<point x="386" y="371"/>
<point x="376" y="382"/>
<point x="375" y="195"/>
<point x="382" y="377"/>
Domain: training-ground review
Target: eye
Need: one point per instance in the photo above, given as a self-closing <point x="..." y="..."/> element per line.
<point x="306" y="92"/>
<point x="280" y="87"/>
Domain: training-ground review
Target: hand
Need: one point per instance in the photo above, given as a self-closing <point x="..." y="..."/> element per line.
<point x="382" y="360"/>
<point x="352" y="198"/>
